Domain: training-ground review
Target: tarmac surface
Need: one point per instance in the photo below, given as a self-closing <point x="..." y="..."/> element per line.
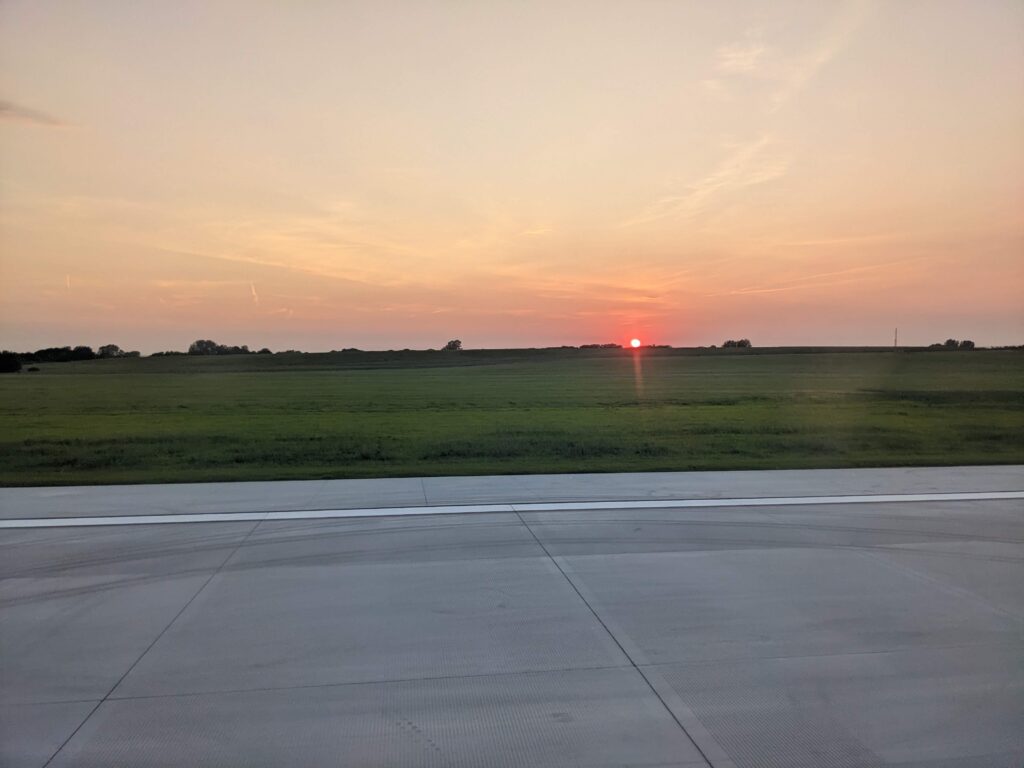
<point x="570" y="627"/>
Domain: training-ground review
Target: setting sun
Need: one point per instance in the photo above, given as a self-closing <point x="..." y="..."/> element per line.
<point x="634" y="343"/>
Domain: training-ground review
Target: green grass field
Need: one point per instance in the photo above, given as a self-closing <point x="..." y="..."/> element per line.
<point x="492" y="412"/>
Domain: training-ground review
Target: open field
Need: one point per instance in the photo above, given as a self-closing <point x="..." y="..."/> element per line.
<point x="493" y="412"/>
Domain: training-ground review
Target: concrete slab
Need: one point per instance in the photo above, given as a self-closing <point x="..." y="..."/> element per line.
<point x="122" y="552"/>
<point x="188" y="498"/>
<point x="596" y="532"/>
<point x="925" y="706"/>
<point x="185" y="498"/>
<point x="591" y="717"/>
<point x="31" y="733"/>
<point x="699" y="485"/>
<point x="743" y="604"/>
<point x="78" y="608"/>
<point x="877" y="524"/>
<point x="387" y="539"/>
<point x="847" y="525"/>
<point x="296" y="625"/>
<point x="991" y="572"/>
<point x="74" y="637"/>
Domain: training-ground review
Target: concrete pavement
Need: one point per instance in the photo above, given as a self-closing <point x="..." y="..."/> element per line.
<point x="865" y="634"/>
<point x="194" y="498"/>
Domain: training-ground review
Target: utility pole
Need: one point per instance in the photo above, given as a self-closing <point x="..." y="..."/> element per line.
<point x="896" y="339"/>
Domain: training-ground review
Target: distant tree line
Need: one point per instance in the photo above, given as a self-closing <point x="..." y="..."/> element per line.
<point x="209" y="347"/>
<point x="951" y="344"/>
<point x="11" y="362"/>
<point x="107" y="351"/>
<point x="70" y="354"/>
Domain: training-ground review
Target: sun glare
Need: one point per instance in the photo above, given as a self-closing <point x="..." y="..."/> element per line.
<point x="634" y="343"/>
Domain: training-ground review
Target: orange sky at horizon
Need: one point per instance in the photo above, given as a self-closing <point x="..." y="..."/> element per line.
<point x="392" y="175"/>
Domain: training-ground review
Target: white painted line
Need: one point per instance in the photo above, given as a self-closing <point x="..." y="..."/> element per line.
<point x="389" y="511"/>
<point x="783" y="501"/>
<point x="314" y="514"/>
<point x="70" y="522"/>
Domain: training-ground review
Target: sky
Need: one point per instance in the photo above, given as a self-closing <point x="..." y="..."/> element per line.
<point x="319" y="175"/>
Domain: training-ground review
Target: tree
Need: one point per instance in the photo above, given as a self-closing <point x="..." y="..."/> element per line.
<point x="453" y="346"/>
<point x="110" y="350"/>
<point x="203" y="347"/>
<point x="58" y="355"/>
<point x="734" y="344"/>
<point x="951" y="344"/>
<point x="966" y="344"/>
<point x="208" y="347"/>
<point x="9" y="362"/>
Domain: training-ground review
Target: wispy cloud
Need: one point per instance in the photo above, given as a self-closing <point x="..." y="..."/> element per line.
<point x="788" y="72"/>
<point x="853" y="240"/>
<point x="17" y="113"/>
<point x="821" y="279"/>
<point x="331" y="240"/>
<point x="229" y="257"/>
<point x="748" y="164"/>
<point x="836" y="37"/>
<point x="756" y="162"/>
<point x="740" y="57"/>
<point x="255" y="296"/>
